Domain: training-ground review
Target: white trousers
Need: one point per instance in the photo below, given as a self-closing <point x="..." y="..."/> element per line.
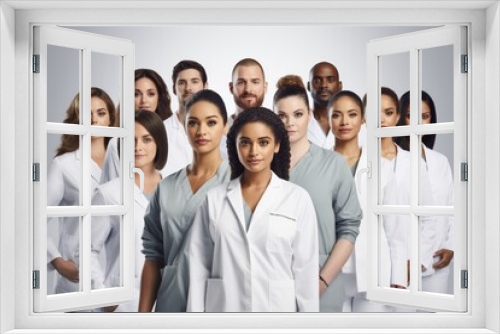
<point x="356" y="301"/>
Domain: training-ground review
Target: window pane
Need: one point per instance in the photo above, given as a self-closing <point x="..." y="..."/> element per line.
<point x="437" y="170"/>
<point x="393" y="252"/>
<point x="63" y="252"/>
<point x="394" y="167"/>
<point x="63" y="84"/>
<point x="395" y="80"/>
<point x="107" y="167"/>
<point x="64" y="161"/>
<point x="436" y="242"/>
<point x="437" y="82"/>
<point x="106" y="253"/>
<point x="106" y="87"/>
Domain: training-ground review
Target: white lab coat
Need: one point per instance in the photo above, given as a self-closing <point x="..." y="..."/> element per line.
<point x="398" y="228"/>
<point x="63" y="234"/>
<point x="180" y="153"/>
<point x="106" y="238"/>
<point x="316" y="135"/>
<point x="111" y="165"/>
<point x="358" y="261"/>
<point x="271" y="268"/>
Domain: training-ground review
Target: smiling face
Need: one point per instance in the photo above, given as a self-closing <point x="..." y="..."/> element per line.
<point x="346" y="119"/>
<point x="256" y="146"/>
<point x="146" y="95"/>
<point x="187" y="83"/>
<point x="390" y="115"/>
<point x="145" y="147"/>
<point x="205" y="127"/>
<point x="100" y="112"/>
<point x="248" y="86"/>
<point x="294" y="113"/>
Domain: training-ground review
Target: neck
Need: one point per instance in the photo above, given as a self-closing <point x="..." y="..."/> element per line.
<point x="319" y="111"/>
<point x="98" y="150"/>
<point x="149" y="172"/>
<point x="206" y="163"/>
<point x="257" y="180"/>
<point x="347" y="147"/>
<point x="298" y="150"/>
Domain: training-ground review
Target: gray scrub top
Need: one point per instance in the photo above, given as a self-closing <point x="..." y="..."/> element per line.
<point x="166" y="224"/>
<point x="327" y="177"/>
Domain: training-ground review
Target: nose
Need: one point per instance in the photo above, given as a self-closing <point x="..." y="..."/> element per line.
<point x="253" y="149"/>
<point x="345" y="120"/>
<point x="93" y="119"/>
<point x="201" y="130"/>
<point x="323" y="82"/>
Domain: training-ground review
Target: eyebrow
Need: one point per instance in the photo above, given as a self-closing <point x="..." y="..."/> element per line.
<point x="208" y="117"/>
<point x="260" y="138"/>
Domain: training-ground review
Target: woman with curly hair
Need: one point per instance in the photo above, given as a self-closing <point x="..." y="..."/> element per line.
<point x="328" y="180"/>
<point x="254" y="243"/>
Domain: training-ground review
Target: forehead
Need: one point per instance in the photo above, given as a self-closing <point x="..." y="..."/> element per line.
<point x="254" y="130"/>
<point x="203" y="109"/>
<point x="140" y="129"/>
<point x="145" y="82"/>
<point x="387" y="101"/>
<point x="324" y="70"/>
<point x="291" y="103"/>
<point x="345" y="103"/>
<point x="97" y="102"/>
<point x="189" y="74"/>
<point x="248" y="72"/>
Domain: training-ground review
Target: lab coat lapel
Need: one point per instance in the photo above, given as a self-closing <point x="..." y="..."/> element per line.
<point x="140" y="199"/>
<point x="266" y="204"/>
<point x="236" y="200"/>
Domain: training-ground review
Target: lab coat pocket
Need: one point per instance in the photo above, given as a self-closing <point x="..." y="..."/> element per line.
<point x="281" y="232"/>
<point x="215" y="299"/>
<point x="282" y="296"/>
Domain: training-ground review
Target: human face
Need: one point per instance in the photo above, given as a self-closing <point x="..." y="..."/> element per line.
<point x="346" y="119"/>
<point x="187" y="83"/>
<point x="324" y="83"/>
<point x="205" y="127"/>
<point x="100" y="112"/>
<point x="146" y="95"/>
<point x="294" y="113"/>
<point x="145" y="147"/>
<point x="426" y="114"/>
<point x="256" y="147"/>
<point x="248" y="87"/>
<point x="390" y="115"/>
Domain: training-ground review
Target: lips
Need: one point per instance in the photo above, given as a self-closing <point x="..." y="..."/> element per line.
<point x="254" y="161"/>
<point x="202" y="141"/>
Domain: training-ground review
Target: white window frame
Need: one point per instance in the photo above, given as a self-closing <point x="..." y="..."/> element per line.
<point x="484" y="51"/>
<point x="413" y="44"/>
<point x="85" y="44"/>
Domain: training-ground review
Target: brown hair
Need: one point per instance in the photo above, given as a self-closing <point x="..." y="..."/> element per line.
<point x="163" y="109"/>
<point x="154" y="125"/>
<point x="70" y="143"/>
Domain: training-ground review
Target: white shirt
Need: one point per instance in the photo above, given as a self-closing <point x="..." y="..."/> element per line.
<point x="180" y="153"/>
<point x="317" y="136"/>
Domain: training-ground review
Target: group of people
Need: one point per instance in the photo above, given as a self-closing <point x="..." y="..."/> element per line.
<point x="257" y="211"/>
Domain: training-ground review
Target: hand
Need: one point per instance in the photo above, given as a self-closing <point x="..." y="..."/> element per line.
<point x="111" y="308"/>
<point x="67" y="268"/>
<point x="446" y="256"/>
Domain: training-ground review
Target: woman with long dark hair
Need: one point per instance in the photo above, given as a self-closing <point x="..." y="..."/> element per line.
<point x="253" y="244"/>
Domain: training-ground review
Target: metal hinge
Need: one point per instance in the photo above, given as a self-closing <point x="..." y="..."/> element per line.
<point x="465" y="64"/>
<point x="36" y="63"/>
<point x="36" y="172"/>
<point x="464" y="171"/>
<point x="465" y="279"/>
<point x="36" y="279"/>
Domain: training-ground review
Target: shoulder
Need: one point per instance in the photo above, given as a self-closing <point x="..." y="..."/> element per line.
<point x="65" y="161"/>
<point x="109" y="191"/>
<point x="328" y="156"/>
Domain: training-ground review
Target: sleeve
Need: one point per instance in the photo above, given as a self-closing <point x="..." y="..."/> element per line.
<point x="152" y="236"/>
<point x="55" y="194"/>
<point x="428" y="226"/>
<point x="201" y="249"/>
<point x="346" y="205"/>
<point x="100" y="230"/>
<point x="111" y="165"/>
<point x="305" y="257"/>
<point x="397" y="230"/>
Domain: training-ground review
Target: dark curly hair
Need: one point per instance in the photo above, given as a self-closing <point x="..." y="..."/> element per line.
<point x="281" y="161"/>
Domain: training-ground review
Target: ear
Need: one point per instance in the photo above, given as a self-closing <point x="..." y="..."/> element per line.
<point x="174" y="90"/>
<point x="265" y="87"/>
<point x="231" y="88"/>
<point x="277" y="148"/>
<point x="340" y="85"/>
<point x="226" y="128"/>
<point x="308" y="86"/>
<point x="205" y="85"/>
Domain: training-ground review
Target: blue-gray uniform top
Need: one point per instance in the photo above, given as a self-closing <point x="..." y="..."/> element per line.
<point x="328" y="179"/>
<point x="167" y="221"/>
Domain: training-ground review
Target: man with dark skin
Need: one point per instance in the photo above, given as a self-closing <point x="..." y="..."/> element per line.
<point x="323" y="83"/>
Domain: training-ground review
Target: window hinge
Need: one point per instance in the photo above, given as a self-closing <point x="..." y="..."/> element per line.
<point x="465" y="64"/>
<point x="464" y="171"/>
<point x="465" y="279"/>
<point x="36" y="279"/>
<point x="36" y="172"/>
<point x="36" y="63"/>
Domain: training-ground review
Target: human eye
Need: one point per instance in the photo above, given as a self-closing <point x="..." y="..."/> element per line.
<point x="195" y="81"/>
<point x="389" y="113"/>
<point x="191" y="123"/>
<point x="212" y="122"/>
<point x="148" y="140"/>
<point x="264" y="142"/>
<point x="425" y="116"/>
<point x="151" y="94"/>
<point x="331" y="79"/>
<point x="299" y="114"/>
<point x="335" y="115"/>
<point x="102" y="113"/>
<point x="137" y="94"/>
<point x="353" y="115"/>
<point x="244" y="142"/>
<point x="282" y="116"/>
